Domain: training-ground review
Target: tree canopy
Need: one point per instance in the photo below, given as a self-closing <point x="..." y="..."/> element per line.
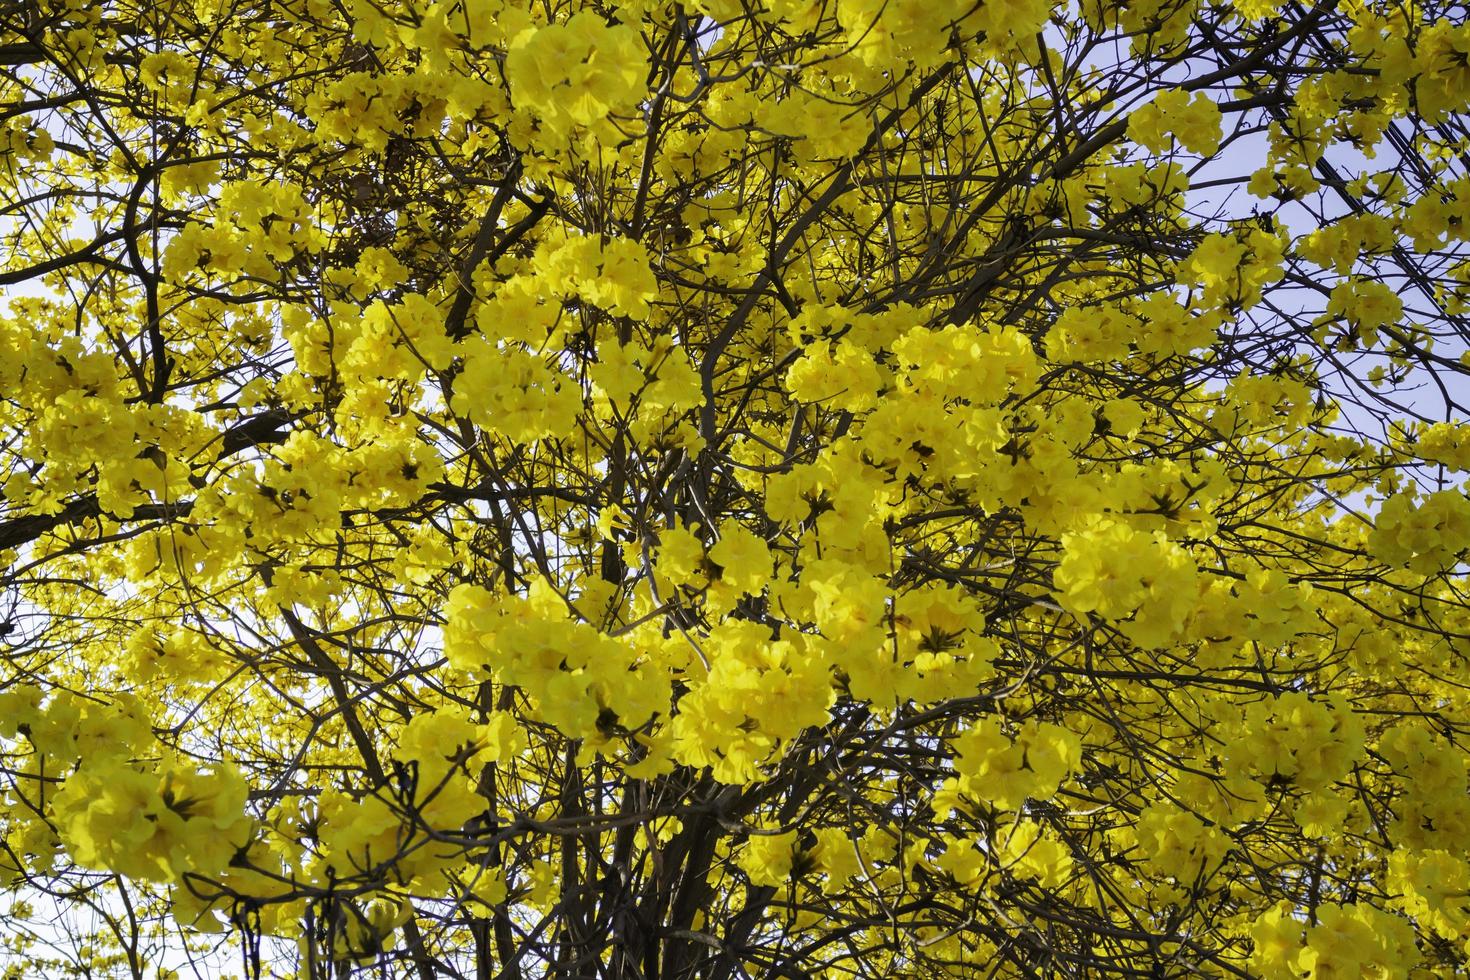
<point x="781" y="489"/>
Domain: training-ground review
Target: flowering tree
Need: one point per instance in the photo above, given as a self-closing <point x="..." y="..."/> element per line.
<point x="751" y="488"/>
